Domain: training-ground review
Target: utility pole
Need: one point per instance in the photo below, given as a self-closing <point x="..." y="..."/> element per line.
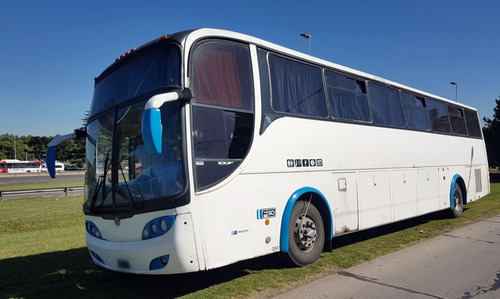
<point x="15" y="150"/>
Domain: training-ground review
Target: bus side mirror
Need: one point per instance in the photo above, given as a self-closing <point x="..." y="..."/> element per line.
<point x="152" y="130"/>
<point x="50" y="158"/>
<point x="152" y="127"/>
<point x="50" y="161"/>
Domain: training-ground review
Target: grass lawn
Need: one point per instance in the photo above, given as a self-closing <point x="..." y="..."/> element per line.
<point x="43" y="255"/>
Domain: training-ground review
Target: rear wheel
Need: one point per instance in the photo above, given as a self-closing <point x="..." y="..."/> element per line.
<point x="458" y="202"/>
<point x="306" y="234"/>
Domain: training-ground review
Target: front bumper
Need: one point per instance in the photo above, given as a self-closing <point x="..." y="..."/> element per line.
<point x="174" y="252"/>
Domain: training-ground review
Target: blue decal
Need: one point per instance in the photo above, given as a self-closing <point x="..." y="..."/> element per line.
<point x="284" y="244"/>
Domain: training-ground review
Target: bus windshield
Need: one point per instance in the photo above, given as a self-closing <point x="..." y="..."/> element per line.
<point x="120" y="173"/>
<point x="156" y="68"/>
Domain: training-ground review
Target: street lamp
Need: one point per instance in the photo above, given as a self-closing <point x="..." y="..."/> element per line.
<point x="308" y="37"/>
<point x="456" y="90"/>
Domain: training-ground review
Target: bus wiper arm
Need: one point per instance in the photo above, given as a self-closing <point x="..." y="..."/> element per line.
<point x="101" y="183"/>
<point x="126" y="184"/>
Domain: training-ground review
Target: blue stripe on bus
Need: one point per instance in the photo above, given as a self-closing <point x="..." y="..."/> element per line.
<point x="285" y="220"/>
<point x="452" y="190"/>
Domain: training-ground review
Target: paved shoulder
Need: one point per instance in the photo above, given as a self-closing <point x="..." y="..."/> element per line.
<point x="464" y="263"/>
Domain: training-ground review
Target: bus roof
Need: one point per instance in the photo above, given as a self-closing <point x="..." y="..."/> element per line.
<point x="189" y="37"/>
<point x="195" y="35"/>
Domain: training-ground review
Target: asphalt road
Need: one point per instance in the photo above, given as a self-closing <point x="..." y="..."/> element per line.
<point x="464" y="263"/>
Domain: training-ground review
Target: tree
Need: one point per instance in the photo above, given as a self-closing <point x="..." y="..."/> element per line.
<point x="6" y="150"/>
<point x="34" y="147"/>
<point x="491" y="132"/>
<point x="73" y="151"/>
<point x="38" y="146"/>
<point x="12" y="147"/>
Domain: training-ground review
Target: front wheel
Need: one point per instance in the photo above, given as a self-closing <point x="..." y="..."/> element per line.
<point x="306" y="234"/>
<point x="458" y="202"/>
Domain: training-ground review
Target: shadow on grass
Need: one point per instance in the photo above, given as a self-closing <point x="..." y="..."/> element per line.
<point x="494" y="177"/>
<point x="71" y="274"/>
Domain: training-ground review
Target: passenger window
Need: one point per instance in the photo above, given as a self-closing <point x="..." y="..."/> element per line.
<point x="438" y="116"/>
<point x="296" y="87"/>
<point x="457" y="119"/>
<point x="221" y="134"/>
<point x="347" y="97"/>
<point x="222" y="115"/>
<point x="415" y="112"/>
<point x="222" y="75"/>
<point x="473" y="126"/>
<point x="221" y="139"/>
<point x="386" y="106"/>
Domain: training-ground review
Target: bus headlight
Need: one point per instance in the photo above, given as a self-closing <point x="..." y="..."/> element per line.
<point x="157" y="227"/>
<point x="93" y="230"/>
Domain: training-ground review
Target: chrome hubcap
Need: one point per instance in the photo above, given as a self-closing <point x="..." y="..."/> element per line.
<point x="304" y="233"/>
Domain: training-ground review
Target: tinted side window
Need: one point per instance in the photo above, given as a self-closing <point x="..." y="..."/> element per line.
<point x="221" y="139"/>
<point x="386" y="106"/>
<point x="222" y="113"/>
<point x="415" y="112"/>
<point x="457" y="119"/>
<point x="438" y="116"/>
<point x="296" y="87"/>
<point x="347" y="97"/>
<point x="473" y="125"/>
<point x="222" y="75"/>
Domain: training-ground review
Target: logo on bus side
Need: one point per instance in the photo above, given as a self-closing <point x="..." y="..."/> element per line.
<point x="236" y="232"/>
<point x="266" y="213"/>
<point x="304" y="162"/>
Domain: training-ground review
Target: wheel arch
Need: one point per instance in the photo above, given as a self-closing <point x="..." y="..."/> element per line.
<point x="457" y="179"/>
<point x="320" y="202"/>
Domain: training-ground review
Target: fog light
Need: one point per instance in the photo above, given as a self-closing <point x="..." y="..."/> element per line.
<point x="96" y="257"/>
<point x="159" y="262"/>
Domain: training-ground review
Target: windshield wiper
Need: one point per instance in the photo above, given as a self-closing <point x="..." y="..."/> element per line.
<point x="126" y="184"/>
<point x="101" y="183"/>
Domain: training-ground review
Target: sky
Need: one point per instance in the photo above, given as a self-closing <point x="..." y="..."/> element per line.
<point x="50" y="51"/>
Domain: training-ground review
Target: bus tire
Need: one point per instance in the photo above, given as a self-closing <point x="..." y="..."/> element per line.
<point x="458" y="202"/>
<point x="306" y="234"/>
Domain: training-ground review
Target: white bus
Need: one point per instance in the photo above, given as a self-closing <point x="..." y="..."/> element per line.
<point x="59" y="167"/>
<point x="208" y="147"/>
<point x="17" y="166"/>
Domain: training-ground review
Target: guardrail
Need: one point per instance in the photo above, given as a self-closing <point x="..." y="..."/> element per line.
<point x="40" y="192"/>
